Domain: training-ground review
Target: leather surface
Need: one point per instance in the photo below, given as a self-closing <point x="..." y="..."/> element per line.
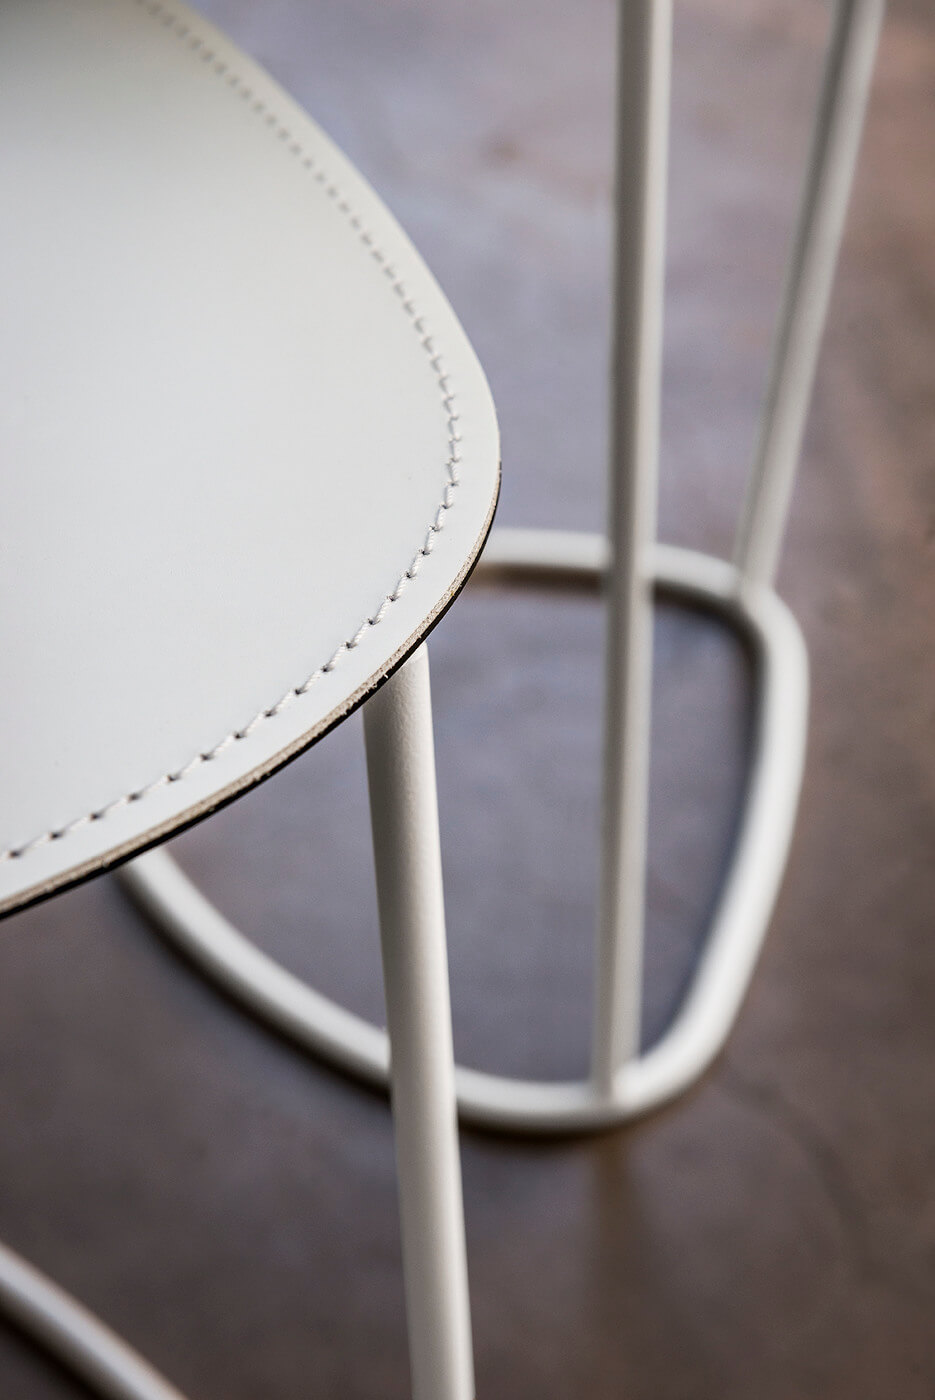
<point x="247" y="453"/>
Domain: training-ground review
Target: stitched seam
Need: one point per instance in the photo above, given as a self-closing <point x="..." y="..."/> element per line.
<point x="159" y="11"/>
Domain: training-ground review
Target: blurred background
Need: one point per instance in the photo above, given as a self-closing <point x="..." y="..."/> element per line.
<point x="229" y="1206"/>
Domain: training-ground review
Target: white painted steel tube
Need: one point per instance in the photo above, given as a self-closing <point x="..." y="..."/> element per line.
<point x="407" y="853"/>
<point x="827" y="186"/>
<point x="74" y="1336"/>
<point x="645" y="41"/>
<point x="740" y="919"/>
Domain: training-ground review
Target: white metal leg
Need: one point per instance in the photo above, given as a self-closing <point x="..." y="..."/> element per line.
<point x="644" y="40"/>
<point x="623" y="1082"/>
<point x="829" y="176"/>
<point x="407" y="854"/>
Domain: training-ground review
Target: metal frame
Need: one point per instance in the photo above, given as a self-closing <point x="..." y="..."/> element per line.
<point x="191" y="922"/>
<point x="629" y="566"/>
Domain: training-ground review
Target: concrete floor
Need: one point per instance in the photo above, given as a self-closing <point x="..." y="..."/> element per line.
<point x="231" y="1207"/>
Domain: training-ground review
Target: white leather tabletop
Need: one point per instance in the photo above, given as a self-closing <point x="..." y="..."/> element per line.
<point x="247" y="453"/>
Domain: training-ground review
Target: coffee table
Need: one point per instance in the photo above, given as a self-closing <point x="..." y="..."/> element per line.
<point x="249" y="461"/>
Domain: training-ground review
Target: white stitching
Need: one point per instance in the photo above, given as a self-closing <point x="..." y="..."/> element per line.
<point x="157" y="10"/>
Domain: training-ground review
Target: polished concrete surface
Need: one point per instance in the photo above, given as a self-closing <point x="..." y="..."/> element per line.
<point x="230" y="1206"/>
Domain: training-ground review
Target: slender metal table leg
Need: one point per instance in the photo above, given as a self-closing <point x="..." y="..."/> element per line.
<point x="407" y="854"/>
<point x="829" y="176"/>
<point x="645" y="41"/>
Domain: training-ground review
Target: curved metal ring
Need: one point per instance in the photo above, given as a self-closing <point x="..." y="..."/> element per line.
<point x="710" y="1006"/>
<point x="108" y="1365"/>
